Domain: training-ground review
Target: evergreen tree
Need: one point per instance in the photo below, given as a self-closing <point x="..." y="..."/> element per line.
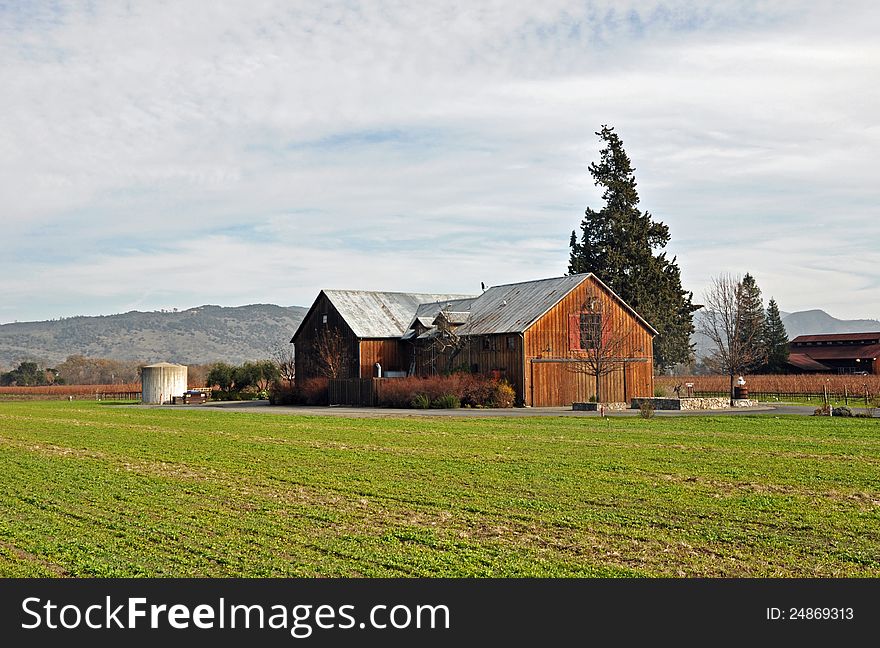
<point x="750" y="311"/>
<point x="623" y="247"/>
<point x="775" y="340"/>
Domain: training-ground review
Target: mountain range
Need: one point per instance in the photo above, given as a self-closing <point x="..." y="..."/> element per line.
<point x="196" y="336"/>
<point x="814" y="322"/>
<point x="234" y="334"/>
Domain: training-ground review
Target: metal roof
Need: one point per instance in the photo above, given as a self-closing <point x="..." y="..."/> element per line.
<point x="869" y="338"/>
<point x="842" y="352"/>
<point x="381" y="314"/>
<point x="512" y="308"/>
<point x="509" y="308"/>
<point x="805" y="362"/>
<point x="453" y="317"/>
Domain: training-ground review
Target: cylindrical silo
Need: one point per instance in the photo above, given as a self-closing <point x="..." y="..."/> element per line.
<point x="162" y="381"/>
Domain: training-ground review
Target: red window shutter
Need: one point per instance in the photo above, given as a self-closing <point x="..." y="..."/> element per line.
<point x="574" y="332"/>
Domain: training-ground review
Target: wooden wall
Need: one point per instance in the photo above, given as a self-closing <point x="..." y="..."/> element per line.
<point x="490" y="355"/>
<point x="551" y="378"/>
<point x="391" y="353"/>
<point x="307" y="362"/>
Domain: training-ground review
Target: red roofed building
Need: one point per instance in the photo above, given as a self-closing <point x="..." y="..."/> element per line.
<point x="843" y="353"/>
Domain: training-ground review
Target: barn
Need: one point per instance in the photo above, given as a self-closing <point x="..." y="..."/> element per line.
<point x="538" y="335"/>
<point x="842" y="353"/>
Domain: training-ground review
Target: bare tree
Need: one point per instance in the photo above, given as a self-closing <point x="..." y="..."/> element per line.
<point x="332" y="351"/>
<point x="725" y="323"/>
<point x="282" y="354"/>
<point x="446" y="340"/>
<point x="603" y="343"/>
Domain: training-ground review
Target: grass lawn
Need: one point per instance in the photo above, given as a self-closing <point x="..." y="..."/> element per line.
<point x="94" y="490"/>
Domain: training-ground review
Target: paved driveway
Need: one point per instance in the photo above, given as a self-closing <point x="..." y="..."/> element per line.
<point x="515" y="412"/>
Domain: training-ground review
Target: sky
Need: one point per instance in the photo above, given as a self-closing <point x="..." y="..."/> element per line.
<point x="160" y="155"/>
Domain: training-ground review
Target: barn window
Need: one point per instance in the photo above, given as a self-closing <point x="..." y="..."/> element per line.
<point x="511" y="342"/>
<point x="488" y="343"/>
<point x="323" y="319"/>
<point x="591" y="330"/>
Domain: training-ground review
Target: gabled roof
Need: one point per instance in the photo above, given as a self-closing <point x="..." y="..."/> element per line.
<point x="510" y="308"/>
<point x="372" y="314"/>
<point x="869" y="338"/>
<point x="842" y="352"/>
<point x="513" y="308"/>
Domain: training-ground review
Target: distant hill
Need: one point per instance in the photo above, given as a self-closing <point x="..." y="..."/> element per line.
<point x="195" y="336"/>
<point x="814" y="322"/>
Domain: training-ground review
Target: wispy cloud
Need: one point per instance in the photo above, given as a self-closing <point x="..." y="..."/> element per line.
<point x="183" y="153"/>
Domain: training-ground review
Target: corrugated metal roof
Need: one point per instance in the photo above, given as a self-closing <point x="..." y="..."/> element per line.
<point x="509" y="308"/>
<point x="872" y="338"/>
<point x="381" y="314"/>
<point x="842" y="352"/>
<point x="453" y="317"/>
<point x="512" y="308"/>
<point x="805" y="362"/>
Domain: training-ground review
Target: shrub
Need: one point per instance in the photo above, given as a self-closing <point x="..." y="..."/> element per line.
<point x="825" y="410"/>
<point x="446" y="401"/>
<point x="662" y="391"/>
<point x="841" y="411"/>
<point x="467" y="389"/>
<point x="503" y="394"/>
<point x="646" y="408"/>
<point x="282" y="393"/>
<point x="313" y="391"/>
<point x="420" y="401"/>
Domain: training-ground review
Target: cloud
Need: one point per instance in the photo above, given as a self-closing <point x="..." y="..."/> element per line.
<point x="261" y="151"/>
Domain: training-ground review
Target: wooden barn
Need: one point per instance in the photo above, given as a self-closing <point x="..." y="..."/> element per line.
<point x="545" y="337"/>
<point x="361" y="328"/>
<point x="843" y="353"/>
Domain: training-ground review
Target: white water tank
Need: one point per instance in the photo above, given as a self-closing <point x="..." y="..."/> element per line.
<point x="161" y="382"/>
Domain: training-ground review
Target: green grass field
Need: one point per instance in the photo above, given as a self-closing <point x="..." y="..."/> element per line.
<point x="92" y="490"/>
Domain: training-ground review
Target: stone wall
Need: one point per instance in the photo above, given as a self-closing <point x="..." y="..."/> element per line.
<point x="593" y="407"/>
<point x="658" y="403"/>
<point x="713" y="403"/>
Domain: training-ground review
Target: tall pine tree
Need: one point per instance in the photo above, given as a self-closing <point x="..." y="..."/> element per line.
<point x="750" y="311"/>
<point x="623" y="247"/>
<point x="775" y="340"/>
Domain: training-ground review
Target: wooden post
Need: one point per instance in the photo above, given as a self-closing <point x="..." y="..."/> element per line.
<point x="845" y="395"/>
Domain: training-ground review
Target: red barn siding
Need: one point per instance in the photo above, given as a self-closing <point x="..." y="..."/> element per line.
<point x="550" y="338"/>
<point x="391" y="353"/>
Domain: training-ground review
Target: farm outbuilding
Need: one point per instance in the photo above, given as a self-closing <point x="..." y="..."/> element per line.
<point x="161" y="382"/>
<point x="843" y="353"/>
<point x="534" y="334"/>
